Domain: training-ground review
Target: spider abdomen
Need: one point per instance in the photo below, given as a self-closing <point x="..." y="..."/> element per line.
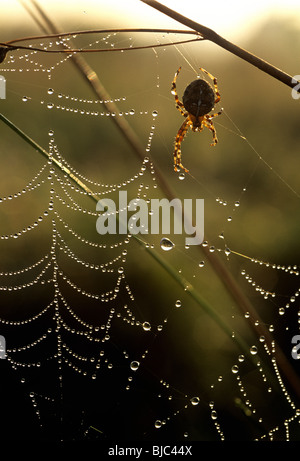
<point x="198" y="98"/>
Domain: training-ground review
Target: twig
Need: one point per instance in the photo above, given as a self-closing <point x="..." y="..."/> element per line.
<point x="9" y="45"/>
<point x="96" y="50"/>
<point x="102" y="31"/>
<point x="211" y="35"/>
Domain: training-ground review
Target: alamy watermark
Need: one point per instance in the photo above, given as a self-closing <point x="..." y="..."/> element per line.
<point x="2" y="347"/>
<point x="2" y="87"/>
<point x="296" y="347"/>
<point x="152" y="216"/>
<point x="296" y="89"/>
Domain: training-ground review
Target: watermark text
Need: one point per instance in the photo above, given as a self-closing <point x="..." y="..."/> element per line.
<point x="296" y="89"/>
<point x="296" y="347"/>
<point x="2" y="347"/>
<point x="152" y="216"/>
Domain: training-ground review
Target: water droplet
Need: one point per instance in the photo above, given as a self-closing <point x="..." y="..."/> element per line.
<point x="181" y="176"/>
<point x="50" y="105"/>
<point x="146" y="326"/>
<point x="157" y="424"/>
<point x="241" y="358"/>
<point x="120" y="270"/>
<point x="235" y="369"/>
<point x="25" y="98"/>
<point x="50" y="132"/>
<point x="155" y="113"/>
<point x="50" y="91"/>
<point x="227" y="251"/>
<point x="214" y="414"/>
<point x="253" y="350"/>
<point x="134" y="365"/>
<point x="178" y="303"/>
<point x="201" y="264"/>
<point x="132" y="112"/>
<point x="166" y="244"/>
<point x="195" y="400"/>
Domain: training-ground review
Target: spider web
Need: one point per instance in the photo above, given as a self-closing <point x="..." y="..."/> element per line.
<point x="101" y="342"/>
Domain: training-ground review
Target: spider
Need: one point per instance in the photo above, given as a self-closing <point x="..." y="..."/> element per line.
<point x="199" y="98"/>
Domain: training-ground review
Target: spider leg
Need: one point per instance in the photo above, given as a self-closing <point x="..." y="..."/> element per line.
<point x="179" y="104"/>
<point x="209" y="124"/>
<point x="177" y="149"/>
<point x="218" y="96"/>
<point x="216" y="114"/>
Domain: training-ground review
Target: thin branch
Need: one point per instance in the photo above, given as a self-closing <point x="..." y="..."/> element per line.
<point x="45" y="154"/>
<point x="211" y="35"/>
<point x="101" y="31"/>
<point x="96" y="50"/>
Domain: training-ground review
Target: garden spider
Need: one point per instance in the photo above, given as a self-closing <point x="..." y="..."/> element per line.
<point x="199" y="98"/>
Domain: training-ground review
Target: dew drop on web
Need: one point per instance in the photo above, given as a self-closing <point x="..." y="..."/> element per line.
<point x="166" y="244"/>
<point x="134" y="365"/>
<point x="235" y="369"/>
<point x="195" y="400"/>
<point x="146" y="326"/>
